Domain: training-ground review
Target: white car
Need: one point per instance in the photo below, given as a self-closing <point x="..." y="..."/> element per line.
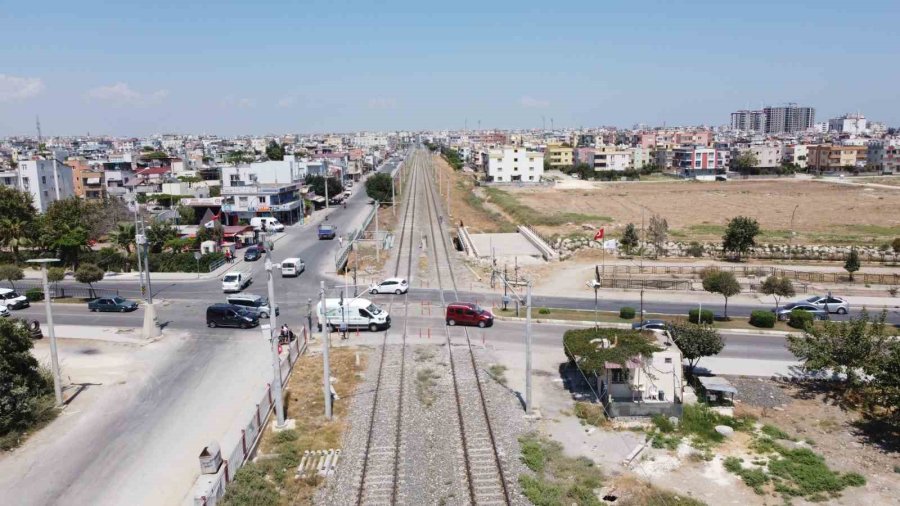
<point x="11" y="299"/>
<point x="3" y="311"/>
<point x="837" y="305"/>
<point x="390" y="285"/>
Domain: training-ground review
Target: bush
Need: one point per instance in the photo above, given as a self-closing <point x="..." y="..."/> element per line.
<point x="800" y="319"/>
<point x="626" y="313"/>
<point x="762" y="319"/>
<point x="181" y="262"/>
<point x="695" y="249"/>
<point x="110" y="260"/>
<point x="27" y="388"/>
<point x="706" y="317"/>
<point x="34" y="294"/>
<point x="544" y="310"/>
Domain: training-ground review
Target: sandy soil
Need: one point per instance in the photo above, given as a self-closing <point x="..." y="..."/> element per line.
<point x="825" y="213"/>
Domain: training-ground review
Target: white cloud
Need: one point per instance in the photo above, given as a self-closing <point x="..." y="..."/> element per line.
<point x="14" y="88"/>
<point x="382" y="103"/>
<point x="534" y="103"/>
<point x="122" y="94"/>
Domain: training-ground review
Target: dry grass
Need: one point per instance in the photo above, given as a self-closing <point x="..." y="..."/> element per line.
<point x="467" y="205"/>
<point x="699" y="211"/>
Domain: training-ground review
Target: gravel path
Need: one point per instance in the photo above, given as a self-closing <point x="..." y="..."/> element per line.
<point x="760" y="392"/>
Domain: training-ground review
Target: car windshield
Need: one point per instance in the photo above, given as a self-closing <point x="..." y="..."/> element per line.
<point x="478" y="309"/>
<point x="118" y="300"/>
<point x="12" y="295"/>
<point x="811" y="299"/>
<point x="373" y="309"/>
<point x="230" y="277"/>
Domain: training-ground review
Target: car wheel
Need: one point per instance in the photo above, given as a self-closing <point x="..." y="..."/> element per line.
<point x="244" y="326"/>
<point x="93" y="310"/>
<point x="121" y="309"/>
<point x="373" y="327"/>
<point x="842" y="310"/>
<point x="263" y="315"/>
<point x="481" y="324"/>
<point x="211" y="325"/>
<point x="451" y="322"/>
<point x="374" y="291"/>
<point x="334" y="328"/>
<point x="398" y="291"/>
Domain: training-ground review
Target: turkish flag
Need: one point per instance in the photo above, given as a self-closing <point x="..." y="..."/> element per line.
<point x="599" y="235"/>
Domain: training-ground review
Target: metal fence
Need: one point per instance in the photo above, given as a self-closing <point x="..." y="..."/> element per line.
<point x="216" y="264"/>
<point x="343" y="254"/>
<point x="250" y="434"/>
<point x="648" y="284"/>
<point x="58" y="291"/>
<point x="760" y="272"/>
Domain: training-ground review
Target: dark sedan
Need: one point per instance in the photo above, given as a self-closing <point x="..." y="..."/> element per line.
<point x="117" y="304"/>
<point x="253" y="253"/>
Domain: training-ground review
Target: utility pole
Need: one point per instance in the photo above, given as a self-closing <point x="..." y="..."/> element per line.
<point x="273" y="331"/>
<point x="138" y="242"/>
<point x="528" y="350"/>
<point x="54" y="356"/>
<point x="309" y="316"/>
<point x="326" y="378"/>
<point x="377" y="245"/>
<point x="326" y="188"/>
<point x="394" y="197"/>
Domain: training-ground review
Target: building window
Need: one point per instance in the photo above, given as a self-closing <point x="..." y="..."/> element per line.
<point x="242" y="199"/>
<point x="46" y="194"/>
<point x="43" y="179"/>
<point x="262" y="200"/>
<point x="619" y="376"/>
<point x="668" y="360"/>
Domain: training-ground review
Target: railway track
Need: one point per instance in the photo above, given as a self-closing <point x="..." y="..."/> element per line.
<point x="483" y="468"/>
<point x="381" y="474"/>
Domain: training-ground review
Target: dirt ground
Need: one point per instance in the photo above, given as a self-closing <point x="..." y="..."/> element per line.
<point x="478" y="216"/>
<point x="826" y="213"/>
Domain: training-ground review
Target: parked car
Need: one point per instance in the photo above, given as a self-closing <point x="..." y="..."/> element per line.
<point x="255" y="304"/>
<point x="835" y="304"/>
<point x="468" y="313"/>
<point x="292" y="267"/>
<point x="117" y="304"/>
<point x="252" y="254"/>
<point x="784" y="312"/>
<point x="390" y="285"/>
<point x="228" y="315"/>
<point x="12" y="300"/>
<point x="266" y="223"/>
<point x="654" y="325"/>
<point x="4" y="312"/>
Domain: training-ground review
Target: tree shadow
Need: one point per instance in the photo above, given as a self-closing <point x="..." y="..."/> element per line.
<point x="884" y="435"/>
<point x="576" y="383"/>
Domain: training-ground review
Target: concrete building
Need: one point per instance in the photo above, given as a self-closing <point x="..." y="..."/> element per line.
<point x="666" y="139"/>
<point x="699" y="162"/>
<point x="611" y="158"/>
<point x="748" y="121"/>
<point x="245" y="201"/>
<point x="558" y="155"/>
<point x="89" y="178"/>
<point x="884" y="156"/>
<point x="640" y="157"/>
<point x="796" y="154"/>
<point x="268" y="172"/>
<point x="46" y="180"/>
<point x="512" y="163"/>
<point x="828" y="157"/>
<point x="854" y="124"/>
<point x="789" y="119"/>
<point x="767" y="156"/>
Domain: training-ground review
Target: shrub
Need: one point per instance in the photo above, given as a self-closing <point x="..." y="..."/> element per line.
<point x="34" y="294"/>
<point x="662" y="423"/>
<point x="800" y="319"/>
<point x="626" y="313"/>
<point x="110" y="260"/>
<point x="706" y="317"/>
<point x="532" y="454"/>
<point x="763" y="319"/>
<point x="695" y="249"/>
<point x="544" y="310"/>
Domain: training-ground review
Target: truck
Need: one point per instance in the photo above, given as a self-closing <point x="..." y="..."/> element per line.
<point x="327" y="232"/>
<point x="355" y="313"/>
<point x="236" y="281"/>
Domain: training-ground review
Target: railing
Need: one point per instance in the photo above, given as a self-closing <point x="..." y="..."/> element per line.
<point x="216" y="264"/>
<point x="62" y="291"/>
<point x="250" y="434"/>
<point x="760" y="272"/>
<point x="343" y="254"/>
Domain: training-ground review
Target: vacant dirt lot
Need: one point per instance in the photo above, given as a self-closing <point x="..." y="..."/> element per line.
<point x="826" y="213"/>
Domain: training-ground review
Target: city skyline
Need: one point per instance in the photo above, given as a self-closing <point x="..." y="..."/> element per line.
<point x="270" y="68"/>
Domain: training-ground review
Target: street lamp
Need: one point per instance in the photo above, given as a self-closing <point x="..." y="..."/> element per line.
<point x="54" y="355"/>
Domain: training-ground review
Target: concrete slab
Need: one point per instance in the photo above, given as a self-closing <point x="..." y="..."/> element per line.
<point x="505" y="246"/>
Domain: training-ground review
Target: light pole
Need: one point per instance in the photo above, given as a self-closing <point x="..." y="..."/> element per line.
<point x="197" y="256"/>
<point x="271" y="329"/>
<point x="326" y="377"/>
<point x="54" y="354"/>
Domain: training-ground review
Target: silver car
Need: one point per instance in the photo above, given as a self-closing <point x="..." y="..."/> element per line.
<point x="835" y="304"/>
<point x="784" y="312"/>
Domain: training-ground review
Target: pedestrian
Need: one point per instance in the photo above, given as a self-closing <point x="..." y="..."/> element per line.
<point x="228" y="256"/>
<point x="341" y="241"/>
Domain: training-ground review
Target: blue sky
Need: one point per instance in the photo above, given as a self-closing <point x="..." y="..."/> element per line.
<point x="134" y="68"/>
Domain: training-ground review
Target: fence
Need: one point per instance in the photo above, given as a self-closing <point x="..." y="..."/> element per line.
<point x="58" y="291"/>
<point x="649" y="284"/>
<point x="343" y="254"/>
<point x="216" y="264"/>
<point x="252" y="431"/>
<point x="760" y="272"/>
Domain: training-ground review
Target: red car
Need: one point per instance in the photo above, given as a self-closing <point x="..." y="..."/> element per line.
<point x="468" y="313"/>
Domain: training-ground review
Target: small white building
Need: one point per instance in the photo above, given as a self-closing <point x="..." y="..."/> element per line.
<point x="284" y="171"/>
<point x="513" y="164"/>
<point x="46" y="180"/>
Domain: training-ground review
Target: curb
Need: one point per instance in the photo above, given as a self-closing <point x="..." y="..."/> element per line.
<point x="610" y="325"/>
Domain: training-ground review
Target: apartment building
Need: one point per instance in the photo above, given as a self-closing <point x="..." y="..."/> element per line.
<point x="796" y="154"/>
<point x="513" y="164"/>
<point x="611" y="158"/>
<point x="828" y="157"/>
<point x="89" y="178"/>
<point x="665" y="139"/>
<point x="854" y="124"/>
<point x="700" y="162"/>
<point x="748" y="121"/>
<point x="884" y="156"/>
<point x="640" y="157"/>
<point x="559" y="155"/>
<point x="789" y="119"/>
<point x="46" y="180"/>
<point x="767" y="156"/>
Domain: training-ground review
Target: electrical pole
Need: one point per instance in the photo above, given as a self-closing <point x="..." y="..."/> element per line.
<point x="138" y="243"/>
<point x="54" y="356"/>
<point x="394" y="197"/>
<point x="326" y="378"/>
<point x="528" y="350"/>
<point x="309" y="316"/>
<point x="377" y="246"/>
<point x="273" y="331"/>
<point x="326" y="189"/>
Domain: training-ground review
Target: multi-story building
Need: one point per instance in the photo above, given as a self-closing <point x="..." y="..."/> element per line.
<point x="268" y="172"/>
<point x="665" y="139"/>
<point x="789" y="119"/>
<point x="828" y="157"/>
<point x="640" y="157"/>
<point x="46" y="180"/>
<point x="245" y="201"/>
<point x="884" y="156"/>
<point x="89" y="178"/>
<point x="748" y="121"/>
<point x="512" y="163"/>
<point x="611" y="158"/>
<point x="700" y="162"/>
<point x="559" y="155"/>
<point x="767" y="156"/>
<point x="796" y="154"/>
<point x="854" y="124"/>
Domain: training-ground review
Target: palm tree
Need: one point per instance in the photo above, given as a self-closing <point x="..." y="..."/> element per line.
<point x="123" y="236"/>
<point x="13" y="233"/>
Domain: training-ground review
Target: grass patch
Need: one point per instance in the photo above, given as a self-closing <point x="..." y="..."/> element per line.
<point x="698" y="423"/>
<point x="558" y="480"/>
<point x="775" y="433"/>
<point x="425" y="383"/>
<point x="498" y="371"/>
<point x="522" y="213"/>
<point x="590" y="413"/>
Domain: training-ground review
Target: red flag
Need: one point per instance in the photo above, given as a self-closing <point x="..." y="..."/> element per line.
<point x="599" y="235"/>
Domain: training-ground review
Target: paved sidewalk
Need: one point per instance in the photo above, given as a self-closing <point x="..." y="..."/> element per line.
<point x="128" y="335"/>
<point x="609" y="325"/>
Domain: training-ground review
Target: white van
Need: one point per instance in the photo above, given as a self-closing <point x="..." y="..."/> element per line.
<point x="12" y="300"/>
<point x="356" y="313"/>
<point x="235" y="281"/>
<point x="255" y="304"/>
<point x="272" y="224"/>
<point x="291" y="267"/>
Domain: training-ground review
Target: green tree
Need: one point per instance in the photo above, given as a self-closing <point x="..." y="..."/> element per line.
<point x="740" y="235"/>
<point x="90" y="274"/>
<point x="236" y="157"/>
<point x="55" y="275"/>
<point x="887" y="381"/>
<point x="659" y="233"/>
<point x="123" y="237"/>
<point x="378" y="187"/>
<point x="187" y="215"/>
<point x="17" y="215"/>
<point x="777" y="287"/>
<point x="317" y="185"/>
<point x="696" y="341"/>
<point x="896" y="245"/>
<point x="155" y="155"/>
<point x="852" y="264"/>
<point x="158" y="234"/>
<point x="11" y="273"/>
<point x="274" y="151"/>
<point x="744" y="162"/>
<point x="853" y="349"/>
<point x="215" y="191"/>
<point x="26" y="397"/>
<point x="629" y="238"/>
<point x="722" y="282"/>
<point x="179" y="244"/>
